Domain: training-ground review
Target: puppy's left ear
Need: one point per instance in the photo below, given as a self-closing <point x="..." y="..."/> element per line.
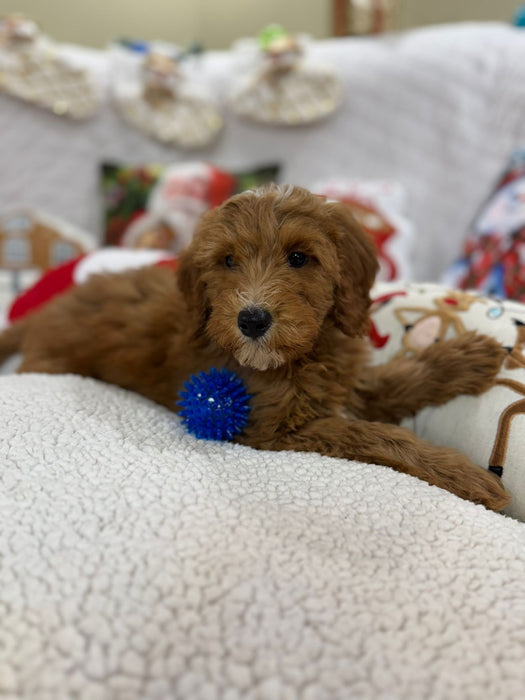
<point x="358" y="268"/>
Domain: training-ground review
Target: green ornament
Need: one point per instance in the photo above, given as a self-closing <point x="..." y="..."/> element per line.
<point x="270" y="34"/>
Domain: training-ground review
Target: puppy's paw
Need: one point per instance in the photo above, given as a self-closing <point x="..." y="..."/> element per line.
<point x="470" y="362"/>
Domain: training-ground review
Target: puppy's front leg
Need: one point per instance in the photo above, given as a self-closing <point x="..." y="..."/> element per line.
<point x="399" y="448"/>
<point x="400" y="388"/>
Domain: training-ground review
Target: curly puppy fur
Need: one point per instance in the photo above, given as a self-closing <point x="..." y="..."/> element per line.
<point x="274" y="286"/>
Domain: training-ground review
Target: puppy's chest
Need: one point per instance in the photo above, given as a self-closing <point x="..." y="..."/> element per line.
<point x="287" y="399"/>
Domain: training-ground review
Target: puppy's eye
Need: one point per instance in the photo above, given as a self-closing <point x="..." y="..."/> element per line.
<point x="229" y="261"/>
<point x="297" y="259"/>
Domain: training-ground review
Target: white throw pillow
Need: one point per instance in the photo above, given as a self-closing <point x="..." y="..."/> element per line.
<point x="489" y="428"/>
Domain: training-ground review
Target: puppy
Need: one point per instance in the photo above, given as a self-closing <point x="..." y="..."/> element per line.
<point x="275" y="286"/>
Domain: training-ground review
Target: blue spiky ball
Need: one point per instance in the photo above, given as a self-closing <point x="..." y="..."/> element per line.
<point x="214" y="405"/>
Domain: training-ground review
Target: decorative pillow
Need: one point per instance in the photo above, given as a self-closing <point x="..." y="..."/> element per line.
<point x="30" y="238"/>
<point x="61" y="278"/>
<point x="157" y="206"/>
<point x="493" y="254"/>
<point x="489" y="428"/>
<point x="378" y="206"/>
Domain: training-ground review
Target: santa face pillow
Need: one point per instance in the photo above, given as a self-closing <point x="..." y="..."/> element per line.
<point x="377" y="206"/>
<point x="158" y="206"/>
<point x="175" y="204"/>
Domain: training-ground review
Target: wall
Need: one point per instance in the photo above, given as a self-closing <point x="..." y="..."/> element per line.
<point x="417" y="12"/>
<point x="216" y="23"/>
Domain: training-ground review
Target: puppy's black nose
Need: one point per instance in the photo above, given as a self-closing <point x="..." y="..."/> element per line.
<point x="254" y="321"/>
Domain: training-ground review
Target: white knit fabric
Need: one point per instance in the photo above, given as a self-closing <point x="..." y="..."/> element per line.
<point x="141" y="564"/>
<point x="439" y="110"/>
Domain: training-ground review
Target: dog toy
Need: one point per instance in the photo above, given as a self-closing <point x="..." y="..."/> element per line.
<point x="214" y="405"/>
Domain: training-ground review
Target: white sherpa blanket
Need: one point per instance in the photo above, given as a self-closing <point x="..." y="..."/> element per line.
<point x="140" y="563"/>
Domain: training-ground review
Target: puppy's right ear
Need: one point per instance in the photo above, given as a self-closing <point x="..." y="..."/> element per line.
<point x="190" y="283"/>
<point x="359" y="265"/>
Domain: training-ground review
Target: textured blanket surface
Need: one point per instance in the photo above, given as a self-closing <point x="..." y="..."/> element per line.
<point x="140" y="563"/>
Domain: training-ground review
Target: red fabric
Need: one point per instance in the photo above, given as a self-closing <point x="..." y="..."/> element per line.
<point x="173" y="263"/>
<point x="54" y="282"/>
<point x="220" y="187"/>
<point x="377" y="340"/>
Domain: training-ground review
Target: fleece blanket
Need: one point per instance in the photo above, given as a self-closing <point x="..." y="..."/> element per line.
<point x="140" y="563"/>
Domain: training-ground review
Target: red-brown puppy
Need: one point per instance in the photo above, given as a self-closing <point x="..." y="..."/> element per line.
<point x="274" y="286"/>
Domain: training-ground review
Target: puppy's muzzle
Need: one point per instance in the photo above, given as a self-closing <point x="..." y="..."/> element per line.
<point x="253" y="322"/>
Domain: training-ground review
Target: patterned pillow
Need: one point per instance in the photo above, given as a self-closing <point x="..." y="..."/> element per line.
<point x="157" y="206"/>
<point x="493" y="255"/>
<point x="378" y="206"/>
<point x="489" y="428"/>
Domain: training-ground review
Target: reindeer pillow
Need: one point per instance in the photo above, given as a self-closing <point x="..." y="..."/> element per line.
<point x="490" y="428"/>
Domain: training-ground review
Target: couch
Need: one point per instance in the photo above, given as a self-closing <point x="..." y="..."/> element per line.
<point x="140" y="563"/>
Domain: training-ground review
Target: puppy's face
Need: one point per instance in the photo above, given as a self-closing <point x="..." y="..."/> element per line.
<point x="267" y="268"/>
